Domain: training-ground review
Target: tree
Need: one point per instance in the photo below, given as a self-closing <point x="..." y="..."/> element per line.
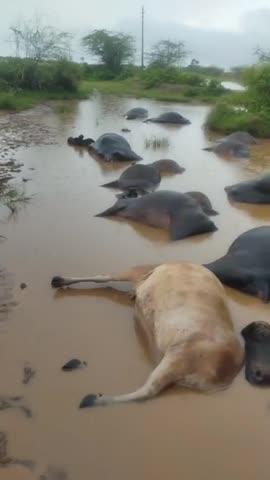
<point x="167" y="53"/>
<point x="262" y="55"/>
<point x="33" y="39"/>
<point x="194" y="64"/>
<point x="111" y="48"/>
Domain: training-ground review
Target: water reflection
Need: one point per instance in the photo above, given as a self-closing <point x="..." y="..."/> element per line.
<point x="260" y="212"/>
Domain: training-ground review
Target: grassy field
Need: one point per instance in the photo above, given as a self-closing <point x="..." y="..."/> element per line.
<point x="17" y="101"/>
<point x="134" y="87"/>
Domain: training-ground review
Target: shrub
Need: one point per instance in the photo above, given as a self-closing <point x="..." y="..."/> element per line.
<point x="257" y="79"/>
<point x="7" y="102"/>
<point x="228" y="119"/>
<point x="66" y="76"/>
<point x="214" y="87"/>
<point x="4" y="86"/>
<point x="128" y="71"/>
<point x="191" y="78"/>
<point x="100" y="72"/>
<point x="153" y="77"/>
<point x="191" y="92"/>
<point x="27" y="74"/>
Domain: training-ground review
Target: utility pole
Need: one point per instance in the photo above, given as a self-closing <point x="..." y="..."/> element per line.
<point x="142" y="57"/>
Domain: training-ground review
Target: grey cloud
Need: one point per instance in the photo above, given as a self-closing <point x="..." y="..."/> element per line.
<point x="211" y="46"/>
<point x="223" y="33"/>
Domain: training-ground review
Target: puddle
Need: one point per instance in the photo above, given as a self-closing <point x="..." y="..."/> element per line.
<point x="180" y="434"/>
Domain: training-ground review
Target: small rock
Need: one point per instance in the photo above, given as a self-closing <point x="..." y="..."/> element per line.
<point x="23" y="286"/>
<point x="125" y="130"/>
<point x="26" y="180"/>
<point x="73" y="364"/>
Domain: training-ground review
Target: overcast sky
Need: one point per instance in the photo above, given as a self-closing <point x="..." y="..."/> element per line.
<point x="217" y="32"/>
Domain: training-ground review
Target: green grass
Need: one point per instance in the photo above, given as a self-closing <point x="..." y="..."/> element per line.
<point x="27" y="99"/>
<point x="134" y="87"/>
<point x="225" y="118"/>
<point x="131" y="87"/>
<point x="10" y="101"/>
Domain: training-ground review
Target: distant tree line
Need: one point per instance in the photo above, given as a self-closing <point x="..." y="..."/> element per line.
<point x="43" y="60"/>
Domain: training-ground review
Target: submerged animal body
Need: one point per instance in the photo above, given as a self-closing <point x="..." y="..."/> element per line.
<point x="112" y="146"/>
<point x="182" y="312"/>
<point x="135" y="113"/>
<point x="231" y="148"/>
<point x="257" y="347"/>
<point x="241" y="137"/>
<point x="173" y="211"/>
<point x="170" y="117"/>
<point x="255" y="191"/>
<point x="246" y="266"/>
<point x="144" y="178"/>
<point x="236" y="144"/>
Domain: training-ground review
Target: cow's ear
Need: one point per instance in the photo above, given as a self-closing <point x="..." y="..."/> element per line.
<point x="256" y="331"/>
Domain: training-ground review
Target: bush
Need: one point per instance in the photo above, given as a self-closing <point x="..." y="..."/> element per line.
<point x="225" y="118"/>
<point x="214" y="88"/>
<point x="128" y="71"/>
<point x="4" y="86"/>
<point x="257" y="79"/>
<point x="66" y="76"/>
<point x="27" y="74"/>
<point x="99" y="72"/>
<point x="7" y="102"/>
<point x="192" y="92"/>
<point x="153" y="77"/>
<point x="191" y="78"/>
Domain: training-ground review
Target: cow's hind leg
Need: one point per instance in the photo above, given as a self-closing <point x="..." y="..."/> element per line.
<point x="162" y="377"/>
<point x="134" y="275"/>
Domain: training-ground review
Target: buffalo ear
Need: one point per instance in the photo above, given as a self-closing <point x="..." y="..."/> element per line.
<point x="256" y="331"/>
<point x="248" y="331"/>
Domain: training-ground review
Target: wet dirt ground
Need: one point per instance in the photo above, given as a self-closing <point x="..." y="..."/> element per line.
<point x="180" y="434"/>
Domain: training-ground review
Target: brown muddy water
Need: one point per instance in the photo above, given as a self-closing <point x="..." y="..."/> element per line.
<point x="180" y="434"/>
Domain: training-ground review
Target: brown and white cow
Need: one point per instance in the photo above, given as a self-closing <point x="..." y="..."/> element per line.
<point x="181" y="309"/>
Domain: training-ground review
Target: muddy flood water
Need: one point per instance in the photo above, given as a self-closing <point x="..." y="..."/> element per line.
<point x="180" y="434"/>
